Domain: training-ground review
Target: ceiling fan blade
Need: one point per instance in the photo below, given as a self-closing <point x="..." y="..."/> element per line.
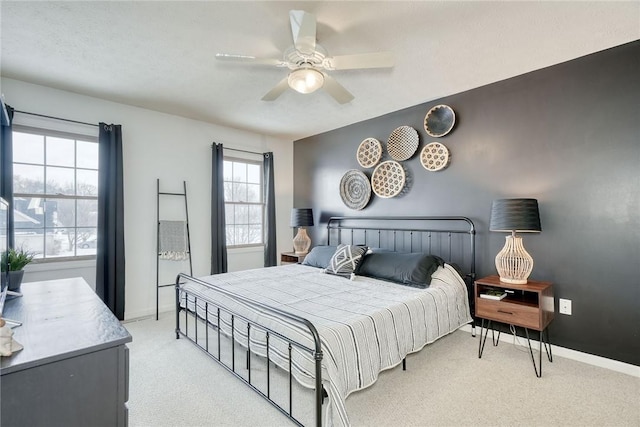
<point x="252" y="60"/>
<point x="278" y="90"/>
<point x="336" y="90"/>
<point x="362" y="60"/>
<point x="303" y="29"/>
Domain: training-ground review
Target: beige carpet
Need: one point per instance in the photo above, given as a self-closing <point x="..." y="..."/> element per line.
<point x="172" y="383"/>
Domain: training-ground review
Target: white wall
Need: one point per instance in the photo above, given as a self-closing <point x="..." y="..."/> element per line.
<point x="157" y="145"/>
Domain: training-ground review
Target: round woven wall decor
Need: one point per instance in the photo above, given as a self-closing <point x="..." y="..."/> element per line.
<point x="403" y="143"/>
<point x="439" y="121"/>
<point x="434" y="156"/>
<point x="355" y="189"/>
<point x="369" y="152"/>
<point x="388" y="179"/>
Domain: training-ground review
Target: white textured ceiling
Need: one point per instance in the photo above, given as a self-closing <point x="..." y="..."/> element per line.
<point x="160" y="55"/>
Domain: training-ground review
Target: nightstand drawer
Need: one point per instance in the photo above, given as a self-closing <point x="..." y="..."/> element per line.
<point x="511" y="313"/>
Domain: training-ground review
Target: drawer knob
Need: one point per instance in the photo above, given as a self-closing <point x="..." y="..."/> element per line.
<point x="505" y="312"/>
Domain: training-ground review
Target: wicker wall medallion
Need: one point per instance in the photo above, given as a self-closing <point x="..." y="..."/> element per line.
<point x="403" y="143"/>
<point x="434" y="156"/>
<point x="355" y="189"/>
<point x="388" y="179"/>
<point x="369" y="152"/>
<point x="439" y="121"/>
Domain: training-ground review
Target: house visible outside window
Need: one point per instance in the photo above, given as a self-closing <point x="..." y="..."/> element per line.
<point x="55" y="189"/>
<point x="244" y="207"/>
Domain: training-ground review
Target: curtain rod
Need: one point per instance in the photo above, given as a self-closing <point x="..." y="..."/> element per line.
<point x="56" y="118"/>
<point x="242" y="151"/>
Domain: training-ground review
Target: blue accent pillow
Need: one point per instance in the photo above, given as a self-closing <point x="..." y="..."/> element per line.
<point x="346" y="260"/>
<point x="319" y="256"/>
<point x="412" y="269"/>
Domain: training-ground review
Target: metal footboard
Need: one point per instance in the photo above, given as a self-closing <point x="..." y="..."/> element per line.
<point x="190" y="321"/>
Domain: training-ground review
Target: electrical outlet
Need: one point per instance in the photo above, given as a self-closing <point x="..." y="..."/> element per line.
<point x="565" y="306"/>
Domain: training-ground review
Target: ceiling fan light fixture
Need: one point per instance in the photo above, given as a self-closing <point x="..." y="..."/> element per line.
<point x="305" y="80"/>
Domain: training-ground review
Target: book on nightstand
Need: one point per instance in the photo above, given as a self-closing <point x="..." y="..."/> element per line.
<point x="495" y="294"/>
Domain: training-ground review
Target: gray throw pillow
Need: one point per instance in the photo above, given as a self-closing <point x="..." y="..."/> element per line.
<point x="346" y="259"/>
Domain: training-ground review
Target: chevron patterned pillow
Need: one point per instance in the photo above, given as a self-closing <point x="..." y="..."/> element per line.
<point x="346" y="259"/>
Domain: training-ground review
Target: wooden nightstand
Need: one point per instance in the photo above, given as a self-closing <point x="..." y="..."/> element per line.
<point x="529" y="306"/>
<point x="291" y="258"/>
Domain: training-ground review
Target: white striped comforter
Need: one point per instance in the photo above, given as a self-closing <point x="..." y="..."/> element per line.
<point x="366" y="325"/>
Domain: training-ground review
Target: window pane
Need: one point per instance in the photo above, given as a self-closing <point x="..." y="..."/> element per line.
<point x="242" y="215"/>
<point x="255" y="234"/>
<point x="239" y="192"/>
<point x="28" y="148"/>
<point x="228" y="192"/>
<point x="60" y="152"/>
<point x="242" y="234"/>
<point x="28" y="179"/>
<point x="253" y="193"/>
<point x="228" y="170"/>
<point x="239" y="172"/>
<point x="87" y="215"/>
<point x="29" y="220"/>
<point x="86" y="241"/>
<point x="60" y="243"/>
<point x="28" y="214"/>
<point x="60" y="181"/>
<point x="87" y="184"/>
<point x="253" y="174"/>
<point x="255" y="214"/>
<point x="229" y="215"/>
<point x="31" y="240"/>
<point x="87" y="153"/>
<point x="60" y="213"/>
<point x="231" y="235"/>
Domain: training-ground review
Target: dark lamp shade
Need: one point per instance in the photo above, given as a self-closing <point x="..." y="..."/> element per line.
<point x="520" y="215"/>
<point x="301" y="217"/>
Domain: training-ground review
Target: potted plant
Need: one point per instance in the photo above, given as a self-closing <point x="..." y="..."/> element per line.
<point x="14" y="260"/>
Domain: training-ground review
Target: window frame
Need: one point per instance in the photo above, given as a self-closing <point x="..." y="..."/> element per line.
<point x="261" y="203"/>
<point x="45" y="132"/>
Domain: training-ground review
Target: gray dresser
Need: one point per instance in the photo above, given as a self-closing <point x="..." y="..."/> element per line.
<point x="74" y="368"/>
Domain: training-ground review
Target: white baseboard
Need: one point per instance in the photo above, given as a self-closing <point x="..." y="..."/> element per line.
<point x="591" y="359"/>
<point x="142" y="314"/>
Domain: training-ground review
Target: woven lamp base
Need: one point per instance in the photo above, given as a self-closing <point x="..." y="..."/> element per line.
<point x="513" y="262"/>
<point x="302" y="242"/>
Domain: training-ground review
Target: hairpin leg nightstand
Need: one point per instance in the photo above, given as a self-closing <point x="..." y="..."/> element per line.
<point x="529" y="306"/>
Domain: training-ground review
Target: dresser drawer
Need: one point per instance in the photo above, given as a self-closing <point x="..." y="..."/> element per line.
<point x="518" y="314"/>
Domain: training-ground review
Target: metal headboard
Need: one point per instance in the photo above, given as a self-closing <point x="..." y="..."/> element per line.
<point x="449" y="237"/>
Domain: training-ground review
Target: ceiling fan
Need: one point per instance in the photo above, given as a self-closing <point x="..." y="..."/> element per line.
<point x="309" y="62"/>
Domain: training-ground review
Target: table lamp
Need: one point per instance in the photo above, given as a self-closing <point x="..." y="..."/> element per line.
<point x="301" y="218"/>
<point x="513" y="262"/>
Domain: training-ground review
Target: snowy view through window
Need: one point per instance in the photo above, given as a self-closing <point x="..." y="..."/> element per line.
<point x="55" y="186"/>
<point x="244" y="208"/>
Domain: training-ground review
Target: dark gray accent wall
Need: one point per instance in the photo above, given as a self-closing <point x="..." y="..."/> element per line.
<point x="567" y="135"/>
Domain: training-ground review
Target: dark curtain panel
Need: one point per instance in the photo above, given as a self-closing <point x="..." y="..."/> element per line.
<point x="110" y="273"/>
<point x="6" y="165"/>
<point x="270" y="250"/>
<point x="218" y="227"/>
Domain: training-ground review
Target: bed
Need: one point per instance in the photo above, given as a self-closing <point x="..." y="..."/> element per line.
<point x="334" y="331"/>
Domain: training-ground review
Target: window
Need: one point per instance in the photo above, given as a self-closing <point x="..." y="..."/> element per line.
<point x="55" y="190"/>
<point x="244" y="207"/>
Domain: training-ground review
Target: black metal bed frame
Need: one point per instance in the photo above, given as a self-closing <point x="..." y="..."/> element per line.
<point x="402" y="238"/>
